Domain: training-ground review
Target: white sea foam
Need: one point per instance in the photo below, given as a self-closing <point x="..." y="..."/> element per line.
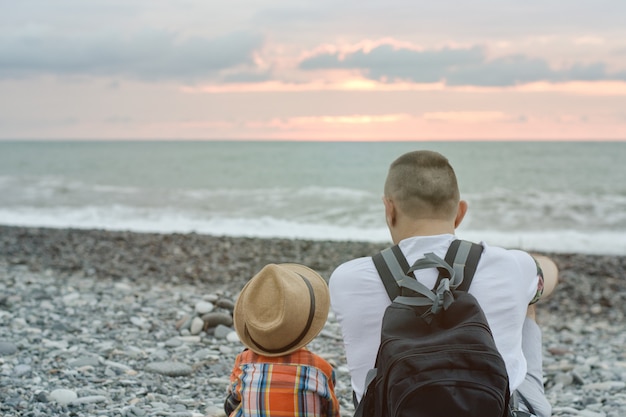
<point x="556" y="241"/>
<point x="173" y="221"/>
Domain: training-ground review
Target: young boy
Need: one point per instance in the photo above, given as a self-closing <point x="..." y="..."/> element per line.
<point x="278" y="312"/>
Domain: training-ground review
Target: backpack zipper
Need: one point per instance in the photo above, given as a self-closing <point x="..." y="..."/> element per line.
<point x="473" y="324"/>
<point x="500" y="398"/>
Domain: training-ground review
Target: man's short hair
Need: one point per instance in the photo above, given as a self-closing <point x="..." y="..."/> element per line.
<point x="422" y="184"/>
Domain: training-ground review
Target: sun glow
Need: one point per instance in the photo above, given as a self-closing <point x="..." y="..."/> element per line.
<point x="585" y="88"/>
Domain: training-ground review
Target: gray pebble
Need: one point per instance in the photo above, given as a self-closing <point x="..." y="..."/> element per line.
<point x="214" y="411"/>
<point x="133" y="412"/>
<point x="589" y="413"/>
<point x="184" y="323"/>
<point x="21" y="370"/>
<point x="169" y="368"/>
<point x="191" y="339"/>
<point x="196" y="326"/>
<point x="232" y="337"/>
<point x="564" y="378"/>
<point x="63" y="396"/>
<point x="203" y="307"/>
<point x="221" y="331"/>
<point x="605" y="386"/>
<point x="173" y="342"/>
<point x="42" y="397"/>
<point x="211" y="298"/>
<point x="227" y="304"/>
<point x="7" y="348"/>
<point x="117" y="365"/>
<point x="84" y="361"/>
<point x="203" y="354"/>
<point x="216" y="318"/>
<point x="88" y="399"/>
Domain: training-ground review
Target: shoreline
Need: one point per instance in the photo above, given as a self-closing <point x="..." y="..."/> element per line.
<point x="186" y="257"/>
<point x="589" y="285"/>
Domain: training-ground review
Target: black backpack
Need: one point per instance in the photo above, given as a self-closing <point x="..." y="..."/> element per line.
<point x="437" y="356"/>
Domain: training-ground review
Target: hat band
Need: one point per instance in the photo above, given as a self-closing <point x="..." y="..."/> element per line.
<point x="304" y="331"/>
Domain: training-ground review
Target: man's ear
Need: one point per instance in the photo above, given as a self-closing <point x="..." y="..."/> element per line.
<point x="460" y="213"/>
<point x="390" y="212"/>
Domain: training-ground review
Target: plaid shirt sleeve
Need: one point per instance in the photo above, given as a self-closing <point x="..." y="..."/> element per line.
<point x="301" y="384"/>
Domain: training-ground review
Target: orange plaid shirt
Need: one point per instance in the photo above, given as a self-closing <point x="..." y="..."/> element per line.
<point x="301" y="384"/>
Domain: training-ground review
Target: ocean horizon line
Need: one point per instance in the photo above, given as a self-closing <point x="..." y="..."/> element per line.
<point x="311" y="140"/>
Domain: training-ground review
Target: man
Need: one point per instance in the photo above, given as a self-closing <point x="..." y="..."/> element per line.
<point x="422" y="209"/>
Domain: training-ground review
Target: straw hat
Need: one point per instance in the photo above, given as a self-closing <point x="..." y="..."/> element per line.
<point x="281" y="309"/>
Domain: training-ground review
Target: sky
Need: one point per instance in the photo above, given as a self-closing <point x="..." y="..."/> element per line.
<point x="313" y="70"/>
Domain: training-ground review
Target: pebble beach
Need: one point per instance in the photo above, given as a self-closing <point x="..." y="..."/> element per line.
<point x="103" y="323"/>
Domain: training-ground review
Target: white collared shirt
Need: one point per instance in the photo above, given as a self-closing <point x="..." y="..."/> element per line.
<point x="504" y="283"/>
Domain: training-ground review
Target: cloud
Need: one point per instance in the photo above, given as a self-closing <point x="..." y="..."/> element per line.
<point x="455" y="66"/>
<point x="149" y="55"/>
<point x="505" y="71"/>
<point x="519" y="69"/>
<point x="391" y="63"/>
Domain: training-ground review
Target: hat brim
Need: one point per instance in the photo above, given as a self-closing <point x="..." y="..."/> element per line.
<point x="322" y="306"/>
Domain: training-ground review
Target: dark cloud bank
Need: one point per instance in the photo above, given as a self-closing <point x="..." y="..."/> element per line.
<point x="149" y="55"/>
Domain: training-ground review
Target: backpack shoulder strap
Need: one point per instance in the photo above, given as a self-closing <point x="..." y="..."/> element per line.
<point x="463" y="256"/>
<point x="392" y="267"/>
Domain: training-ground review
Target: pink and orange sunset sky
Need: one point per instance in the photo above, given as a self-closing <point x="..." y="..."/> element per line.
<point x="313" y="70"/>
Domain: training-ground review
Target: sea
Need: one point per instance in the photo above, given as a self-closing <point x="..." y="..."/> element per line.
<point x="559" y="197"/>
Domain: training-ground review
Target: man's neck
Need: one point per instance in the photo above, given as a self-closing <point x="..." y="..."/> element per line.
<point x="422" y="227"/>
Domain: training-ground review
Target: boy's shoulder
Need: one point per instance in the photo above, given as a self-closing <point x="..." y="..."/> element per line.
<point x="301" y="357"/>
